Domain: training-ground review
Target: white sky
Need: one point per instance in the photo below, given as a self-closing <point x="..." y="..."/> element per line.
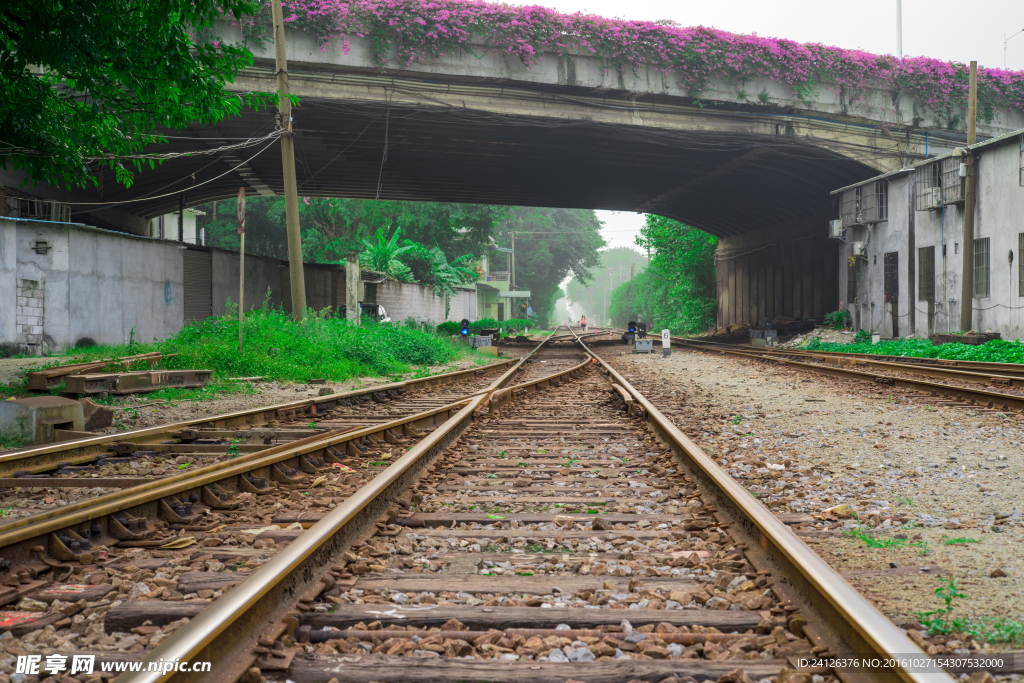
<point x="932" y="28"/>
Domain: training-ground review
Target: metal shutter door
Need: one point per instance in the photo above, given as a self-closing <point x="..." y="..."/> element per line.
<point x="198" y="285"/>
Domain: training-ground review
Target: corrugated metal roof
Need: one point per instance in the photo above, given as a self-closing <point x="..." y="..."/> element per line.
<point x="890" y="174"/>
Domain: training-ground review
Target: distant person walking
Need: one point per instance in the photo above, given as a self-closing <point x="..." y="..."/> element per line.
<point x="583" y="323"/>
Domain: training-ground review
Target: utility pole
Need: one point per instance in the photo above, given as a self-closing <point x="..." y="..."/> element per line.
<point x="181" y="218"/>
<point x="512" y="270"/>
<point x="899" y="28"/>
<point x="970" y="199"/>
<point x="291" y="191"/>
<point x="1005" y="41"/>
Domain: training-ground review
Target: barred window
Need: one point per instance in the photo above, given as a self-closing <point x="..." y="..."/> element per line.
<point x="875" y="202"/>
<point x="928" y="186"/>
<point x="981" y="268"/>
<point x="891" y="266"/>
<point x="926" y="274"/>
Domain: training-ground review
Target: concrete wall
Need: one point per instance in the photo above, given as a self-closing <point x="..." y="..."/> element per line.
<point x="404" y="300"/>
<point x="90" y="283"/>
<point x="998" y="217"/>
<point x="782" y="271"/>
<point x="8" y="280"/>
<point x="260" y="274"/>
<point x="96" y="284"/>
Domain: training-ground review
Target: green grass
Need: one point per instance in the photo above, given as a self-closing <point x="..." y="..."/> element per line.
<point x="961" y="541"/>
<point x="998" y="351"/>
<point x="280" y="349"/>
<point x="986" y="629"/>
<point x="11" y="440"/>
<point x="872" y="542"/>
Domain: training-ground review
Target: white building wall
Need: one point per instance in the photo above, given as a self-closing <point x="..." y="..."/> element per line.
<point x="165" y="227"/>
<point x="999" y="217"/>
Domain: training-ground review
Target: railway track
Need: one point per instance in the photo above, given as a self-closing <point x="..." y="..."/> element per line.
<point x="954" y="383"/>
<point x="40" y="479"/>
<point x="554" y="537"/>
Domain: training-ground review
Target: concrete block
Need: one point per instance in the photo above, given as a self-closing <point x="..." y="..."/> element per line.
<point x="488" y="350"/>
<point x="35" y="419"/>
<point x="22" y="300"/>
<point x="23" y="320"/>
<point x="96" y="416"/>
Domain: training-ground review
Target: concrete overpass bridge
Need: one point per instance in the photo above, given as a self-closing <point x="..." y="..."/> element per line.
<point x="750" y="163"/>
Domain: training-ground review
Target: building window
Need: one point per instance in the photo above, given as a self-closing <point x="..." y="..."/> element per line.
<point x="875" y="202"/>
<point x="952" y="183"/>
<point x="928" y="187"/>
<point x="1022" y="164"/>
<point x="891" y="265"/>
<point x="851" y="211"/>
<point x="981" y="268"/>
<point x="926" y="274"/>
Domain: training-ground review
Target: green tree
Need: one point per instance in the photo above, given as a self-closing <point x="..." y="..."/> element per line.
<point x="431" y="268"/>
<point x="382" y="254"/>
<point x="616" y="265"/>
<point x="91" y="80"/>
<point x="677" y="291"/>
<point x="550" y="244"/>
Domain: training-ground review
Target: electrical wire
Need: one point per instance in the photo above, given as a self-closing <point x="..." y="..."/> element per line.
<point x="169" y="194"/>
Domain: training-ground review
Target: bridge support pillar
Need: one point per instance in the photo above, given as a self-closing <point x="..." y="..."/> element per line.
<point x="783" y="271"/>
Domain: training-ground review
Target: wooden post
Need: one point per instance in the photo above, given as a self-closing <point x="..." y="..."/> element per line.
<point x="240" y="212"/>
<point x="241" y="290"/>
<point x="291" y="192"/>
<point x="970" y="200"/>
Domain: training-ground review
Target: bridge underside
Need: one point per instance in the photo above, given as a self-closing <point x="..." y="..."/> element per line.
<point x="753" y="191"/>
<point x="723" y="183"/>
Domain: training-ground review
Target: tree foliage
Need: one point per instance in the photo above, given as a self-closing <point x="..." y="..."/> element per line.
<point x="430" y="243"/>
<point x="677" y="291"/>
<point x="382" y="255"/>
<point x="92" y="80"/>
<point x="550" y="245"/>
<point x="615" y="267"/>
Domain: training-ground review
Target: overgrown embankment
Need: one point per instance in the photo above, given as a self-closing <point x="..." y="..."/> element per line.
<point x="992" y="352"/>
<point x="277" y="348"/>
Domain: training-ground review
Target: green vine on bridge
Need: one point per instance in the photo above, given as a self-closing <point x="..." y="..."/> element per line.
<point x="402" y="33"/>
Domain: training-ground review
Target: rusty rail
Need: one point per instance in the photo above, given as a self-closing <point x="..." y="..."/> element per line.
<point x="843" y="615"/>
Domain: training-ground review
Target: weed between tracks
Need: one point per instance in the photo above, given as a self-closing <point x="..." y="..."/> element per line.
<point x="986" y="629"/>
<point x="872" y="542"/>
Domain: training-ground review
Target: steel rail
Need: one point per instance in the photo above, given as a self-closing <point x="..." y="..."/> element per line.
<point x="1015" y="369"/>
<point x="51" y="455"/>
<point x="980" y="397"/>
<point x="1015" y="377"/>
<point x="27" y="528"/>
<point x="225" y="633"/>
<point x="76" y="513"/>
<point x="844" y="616"/>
